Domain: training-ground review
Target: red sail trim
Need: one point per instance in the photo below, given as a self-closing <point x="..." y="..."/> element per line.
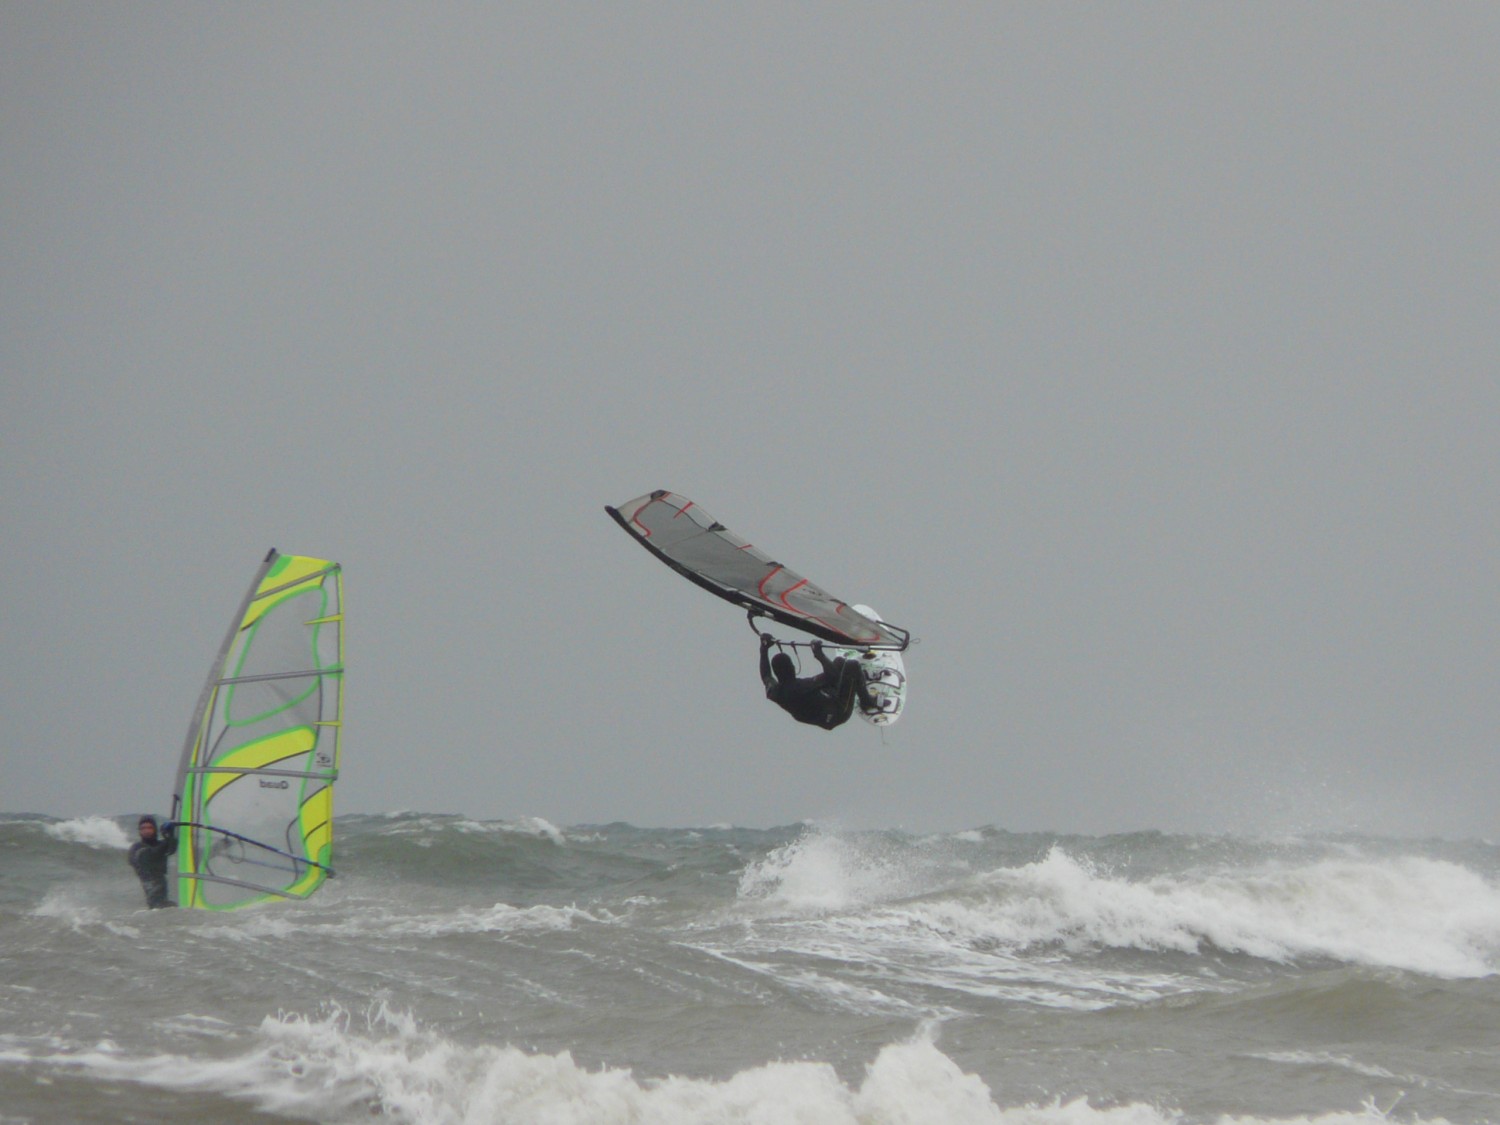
<point x="760" y="587"/>
<point x="636" y="519"/>
<point x="788" y="592"/>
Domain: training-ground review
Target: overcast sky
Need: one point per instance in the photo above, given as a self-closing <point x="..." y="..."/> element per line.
<point x="1140" y="358"/>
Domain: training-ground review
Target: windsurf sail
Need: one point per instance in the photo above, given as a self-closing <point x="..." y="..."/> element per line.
<point x="703" y="550"/>
<point x="254" y="793"/>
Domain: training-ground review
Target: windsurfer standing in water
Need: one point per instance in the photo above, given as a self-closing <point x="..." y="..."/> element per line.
<point x="148" y="856"/>
<point x="825" y="700"/>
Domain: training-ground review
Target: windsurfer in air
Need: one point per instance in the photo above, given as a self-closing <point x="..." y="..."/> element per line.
<point x="825" y="700"/>
<point x="148" y="856"/>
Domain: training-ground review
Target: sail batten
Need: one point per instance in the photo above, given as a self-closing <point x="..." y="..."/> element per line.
<point x="298" y="675"/>
<point x="322" y="775"/>
<point x="262" y="753"/>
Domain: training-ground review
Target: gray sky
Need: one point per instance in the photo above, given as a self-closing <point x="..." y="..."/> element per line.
<point x="1141" y="359"/>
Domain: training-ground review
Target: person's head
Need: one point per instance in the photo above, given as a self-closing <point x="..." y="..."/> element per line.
<point x="782" y="665"/>
<point x="147" y="827"/>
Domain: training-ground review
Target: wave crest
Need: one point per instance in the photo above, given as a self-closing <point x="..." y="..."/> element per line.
<point x="95" y="831"/>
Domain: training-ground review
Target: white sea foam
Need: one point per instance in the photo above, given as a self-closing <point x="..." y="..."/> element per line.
<point x="190" y="1024"/>
<point x="1342" y="1062"/>
<point x="500" y="918"/>
<point x="821" y="872"/>
<point x="328" y="1070"/>
<point x="61" y="903"/>
<point x="524" y="826"/>
<point x="411" y="824"/>
<point x="1407" y="912"/>
<point x="536" y="826"/>
<point x="95" y="831"/>
<point x="322" y="1068"/>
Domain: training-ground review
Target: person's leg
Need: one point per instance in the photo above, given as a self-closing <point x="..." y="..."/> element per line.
<point x="842" y="691"/>
<point x="853" y="681"/>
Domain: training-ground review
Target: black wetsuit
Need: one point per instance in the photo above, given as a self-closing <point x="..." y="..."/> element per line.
<point x="149" y="858"/>
<point x="825" y="700"/>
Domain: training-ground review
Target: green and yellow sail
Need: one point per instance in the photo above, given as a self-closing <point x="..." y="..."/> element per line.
<point x="254" y="795"/>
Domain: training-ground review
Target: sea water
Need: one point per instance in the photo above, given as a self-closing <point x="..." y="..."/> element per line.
<point x="476" y="972"/>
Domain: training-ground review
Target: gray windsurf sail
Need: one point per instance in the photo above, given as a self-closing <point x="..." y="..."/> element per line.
<point x="704" y="551"/>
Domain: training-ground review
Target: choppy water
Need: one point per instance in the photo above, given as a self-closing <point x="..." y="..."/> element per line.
<point x="459" y="971"/>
